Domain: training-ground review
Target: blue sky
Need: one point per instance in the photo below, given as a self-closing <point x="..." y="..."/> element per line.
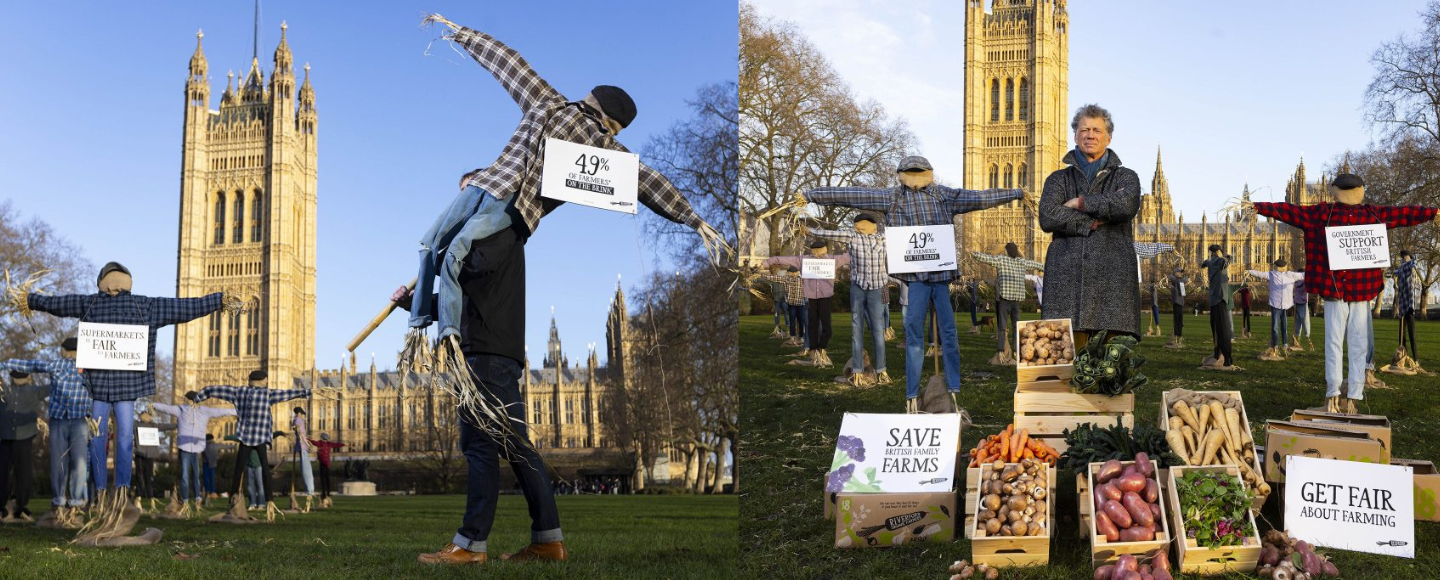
<point x="92" y="101"/>
<point x="1232" y="90"/>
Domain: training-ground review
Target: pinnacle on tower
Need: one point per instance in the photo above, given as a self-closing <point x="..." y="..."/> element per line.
<point x="198" y="64"/>
<point x="282" y="53"/>
<point x="1158" y="169"/>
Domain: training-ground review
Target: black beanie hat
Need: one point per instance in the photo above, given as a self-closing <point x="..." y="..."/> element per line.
<point x="70" y="344"/>
<point x="615" y="103"/>
<point x="258" y="375"/>
<point x="1280" y="263"/>
<point x="817" y="244"/>
<point x="111" y="267"/>
<point x="19" y="374"/>
<point x="299" y="410"/>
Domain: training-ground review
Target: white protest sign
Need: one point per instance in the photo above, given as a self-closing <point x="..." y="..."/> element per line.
<point x="149" y="436"/>
<point x="1357" y="247"/>
<point x="590" y="176"/>
<point x="1366" y="507"/>
<point x="116" y="347"/>
<point x="817" y="268"/>
<point x="878" y="453"/>
<point x="910" y="249"/>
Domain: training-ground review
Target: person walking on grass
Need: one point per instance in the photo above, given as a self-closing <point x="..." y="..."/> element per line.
<point x="256" y="428"/>
<point x="323" y="448"/>
<point x="68" y="415"/>
<point x="194" y="445"/>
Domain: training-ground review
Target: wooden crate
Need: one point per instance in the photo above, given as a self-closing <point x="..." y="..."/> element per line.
<point x="1048" y="408"/>
<point x="1033" y="373"/>
<point x="1194" y="559"/>
<point x="1007" y="550"/>
<point x="1082" y="489"/>
<point x="1164" y="419"/>
<point x="1102" y="552"/>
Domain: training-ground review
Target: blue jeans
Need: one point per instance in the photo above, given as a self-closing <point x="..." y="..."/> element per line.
<point x="802" y="321"/>
<point x="1302" y="319"/>
<point x="780" y="310"/>
<point x="208" y="475"/>
<point x="1346" y="325"/>
<point x="922" y="296"/>
<point x="190" y="475"/>
<point x="866" y="308"/>
<point x="1155" y="314"/>
<point x="473" y="215"/>
<point x="124" y="442"/>
<point x="253" y="487"/>
<point x="305" y="474"/>
<point x="69" y="440"/>
<point x="498" y="380"/>
<point x="1277" y="327"/>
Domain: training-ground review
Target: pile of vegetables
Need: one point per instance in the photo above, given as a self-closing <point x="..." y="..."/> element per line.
<point x="1205" y="429"/>
<point x="1111" y="368"/>
<point x="1127" y="501"/>
<point x="1012" y="446"/>
<point x="1128" y="567"/>
<point x="1012" y="499"/>
<point x="1046" y="342"/>
<point x="962" y="570"/>
<point x="1090" y="443"/>
<point x="1285" y="558"/>
<point x="1215" y="509"/>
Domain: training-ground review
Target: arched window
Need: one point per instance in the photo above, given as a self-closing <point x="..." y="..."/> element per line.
<point x="1009" y="176"/>
<point x="215" y="334"/>
<point x="994" y="176"/>
<point x="239" y="235"/>
<point x="1022" y="178"/>
<point x="219" y="218"/>
<point x="252" y="328"/>
<point x="1009" y="99"/>
<point x="994" y="100"/>
<point x="233" y="335"/>
<point x="257" y="212"/>
<point x="1024" y="99"/>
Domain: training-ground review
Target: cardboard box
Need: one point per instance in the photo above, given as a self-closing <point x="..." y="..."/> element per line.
<point x="872" y="474"/>
<point x="1313" y="439"/>
<point x="1427" y="488"/>
<point x="1377" y="426"/>
<point x="879" y="520"/>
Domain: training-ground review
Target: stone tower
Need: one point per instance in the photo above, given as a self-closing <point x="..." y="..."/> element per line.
<point x="1016" y="113"/>
<point x="1156" y="207"/>
<point x="247" y="224"/>
<point x="554" y="355"/>
<point x="617" y="339"/>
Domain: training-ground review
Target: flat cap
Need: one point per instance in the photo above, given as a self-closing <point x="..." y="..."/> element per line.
<point x="258" y="375"/>
<point x="70" y="344"/>
<point x="1348" y="181"/>
<point x="865" y="216"/>
<point x="817" y="244"/>
<point x="111" y="267"/>
<point x="914" y="163"/>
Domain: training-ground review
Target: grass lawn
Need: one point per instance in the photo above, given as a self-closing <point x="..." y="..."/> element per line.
<point x="790" y="416"/>
<point x="379" y="537"/>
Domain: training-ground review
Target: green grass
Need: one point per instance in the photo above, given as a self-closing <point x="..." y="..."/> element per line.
<point x="790" y="416"/>
<point x="379" y="537"/>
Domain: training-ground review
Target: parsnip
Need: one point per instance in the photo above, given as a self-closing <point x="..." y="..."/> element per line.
<point x="1177" y="443"/>
<point x="1187" y="414"/>
<point x="1192" y="442"/>
<point x="1176" y="422"/>
<point x="1213" y="440"/>
<point x="1232" y="418"/>
<point x="1204" y="417"/>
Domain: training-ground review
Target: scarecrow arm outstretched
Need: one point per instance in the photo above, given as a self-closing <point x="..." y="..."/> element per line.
<point x="960" y="201"/>
<point x="522" y="82"/>
<point x="167" y="311"/>
<point x="64" y="306"/>
<point x="856" y="197"/>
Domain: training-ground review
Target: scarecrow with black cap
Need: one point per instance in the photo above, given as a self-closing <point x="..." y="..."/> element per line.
<point x="818" y="292"/>
<point x="117" y="390"/>
<point x="1408" y="292"/>
<point x="919" y="201"/>
<point x="1010" y="272"/>
<point x="67" y="417"/>
<point x="1347" y="292"/>
<point x="868" y="279"/>
<point x="256" y="427"/>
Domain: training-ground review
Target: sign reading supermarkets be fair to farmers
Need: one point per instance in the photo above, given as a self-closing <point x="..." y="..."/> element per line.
<point x="1358" y="247"/>
<point x="1350" y="505"/>
<point x="911" y="249"/>
<point x="116" y="347"/>
<point x="817" y="268"/>
<point x="590" y="176"/>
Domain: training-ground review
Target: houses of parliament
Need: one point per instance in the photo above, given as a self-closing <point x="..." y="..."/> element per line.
<point x="248" y="200"/>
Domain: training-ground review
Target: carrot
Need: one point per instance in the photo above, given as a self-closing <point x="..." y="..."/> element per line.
<point x="1015" y="447"/>
<point x="1005" y="443"/>
<point x="979" y="459"/>
<point x="1024" y="438"/>
<point x="1028" y="454"/>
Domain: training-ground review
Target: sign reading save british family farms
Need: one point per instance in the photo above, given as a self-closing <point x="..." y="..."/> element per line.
<point x="892" y="453"/>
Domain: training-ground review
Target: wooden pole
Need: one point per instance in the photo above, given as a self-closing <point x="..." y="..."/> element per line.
<point x="375" y="322"/>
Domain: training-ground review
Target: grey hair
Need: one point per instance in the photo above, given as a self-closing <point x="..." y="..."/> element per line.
<point x="1093" y="111"/>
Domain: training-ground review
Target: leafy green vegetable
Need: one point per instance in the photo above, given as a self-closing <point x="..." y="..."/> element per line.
<point x="1215" y="508"/>
<point x="1090" y="443"/>
<point x="1110" y="368"/>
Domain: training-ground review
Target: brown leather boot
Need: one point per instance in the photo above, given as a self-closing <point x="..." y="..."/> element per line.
<point x="452" y="554"/>
<point x="554" y="551"/>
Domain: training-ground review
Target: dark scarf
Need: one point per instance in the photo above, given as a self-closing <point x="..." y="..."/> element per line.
<point x="1088" y="168"/>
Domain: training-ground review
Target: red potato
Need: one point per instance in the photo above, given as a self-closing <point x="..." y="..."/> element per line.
<point x="1132" y="482"/>
<point x="1129" y="575"/>
<point x="1104" y="527"/>
<point x="1118" y="514"/>
<point x="1109" y="491"/>
<point x="1144" y="568"/>
<point x="1152" y="491"/>
<point x="1137" y="534"/>
<point x="1146" y="576"/>
<point x="1143" y="464"/>
<point x="1161" y="561"/>
<point x="1139" y="510"/>
<point x="1099" y="500"/>
<point x="1105" y="572"/>
<point x="1155" y="511"/>
<point x="1127" y="562"/>
<point x="1108" y="471"/>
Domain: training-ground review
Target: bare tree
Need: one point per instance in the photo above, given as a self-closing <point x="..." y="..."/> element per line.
<point x="700" y="157"/>
<point x="1404" y="96"/>
<point x="27" y="248"/>
<point x="439" y="457"/>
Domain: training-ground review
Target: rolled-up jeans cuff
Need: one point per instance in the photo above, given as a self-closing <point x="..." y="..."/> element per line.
<point x="467" y="544"/>
<point x="547" y="536"/>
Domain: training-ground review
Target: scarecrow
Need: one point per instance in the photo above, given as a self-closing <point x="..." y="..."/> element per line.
<point x="1221" y="296"/>
<point x="1146" y="251"/>
<point x="1407" y="301"/>
<point x="818" y="293"/>
<point x="117" y="390"/>
<point x="1347" y="292"/>
<point x="1281" y="287"/>
<point x="868" y="304"/>
<point x="919" y="201"/>
<point x="69" y="437"/>
<point x="1010" y="272"/>
<point x="256" y="428"/>
<point x="194" y="421"/>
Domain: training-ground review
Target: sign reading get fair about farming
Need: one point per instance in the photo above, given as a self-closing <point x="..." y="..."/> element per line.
<point x="817" y="268"/>
<point x="911" y="249"/>
<point x="1358" y="247"/>
<point x="590" y="176"/>
<point x="1365" y="507"/>
<point x="116" y="347"/>
<point x="895" y="453"/>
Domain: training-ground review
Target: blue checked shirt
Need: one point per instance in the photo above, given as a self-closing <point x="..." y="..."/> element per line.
<point x="252" y="406"/>
<point x="867" y="256"/>
<point x="1407" y="288"/>
<point x="1010" y="274"/>
<point x="935" y="205"/>
<point x="69" y="397"/>
<point x="1147" y="250"/>
<point x="125" y="308"/>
